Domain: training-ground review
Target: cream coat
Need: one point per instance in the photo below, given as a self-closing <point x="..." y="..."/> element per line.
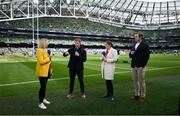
<point x="108" y="68"/>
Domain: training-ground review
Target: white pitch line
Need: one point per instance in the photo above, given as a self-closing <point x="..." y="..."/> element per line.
<point x="29" y="82"/>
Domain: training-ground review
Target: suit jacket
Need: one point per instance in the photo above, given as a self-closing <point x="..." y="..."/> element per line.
<point x="43" y="63"/>
<point x="76" y="62"/>
<point x="140" y="56"/>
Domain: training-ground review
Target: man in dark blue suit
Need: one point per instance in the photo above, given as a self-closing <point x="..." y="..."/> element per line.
<point x="140" y="55"/>
<point x="76" y="66"/>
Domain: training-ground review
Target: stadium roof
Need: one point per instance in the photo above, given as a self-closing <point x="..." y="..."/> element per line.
<point x="136" y="14"/>
<point x="157" y="0"/>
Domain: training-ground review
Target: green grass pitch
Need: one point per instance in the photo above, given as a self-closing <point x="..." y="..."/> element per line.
<point x="19" y="87"/>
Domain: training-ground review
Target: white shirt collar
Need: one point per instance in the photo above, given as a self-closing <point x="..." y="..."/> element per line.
<point x="136" y="46"/>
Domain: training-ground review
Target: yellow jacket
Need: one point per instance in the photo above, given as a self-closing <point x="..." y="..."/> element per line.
<point x="43" y="63"/>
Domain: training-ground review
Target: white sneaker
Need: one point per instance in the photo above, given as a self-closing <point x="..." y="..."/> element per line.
<point x="46" y="101"/>
<point x="83" y="96"/>
<point x="69" y="95"/>
<point x="42" y="106"/>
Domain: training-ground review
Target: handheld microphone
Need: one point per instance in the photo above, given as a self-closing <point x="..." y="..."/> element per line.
<point x="76" y="48"/>
<point x="49" y="52"/>
<point x="133" y="48"/>
<point x="104" y="53"/>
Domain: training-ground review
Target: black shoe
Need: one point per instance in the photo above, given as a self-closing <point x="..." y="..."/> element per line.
<point x="135" y="98"/>
<point x="107" y="95"/>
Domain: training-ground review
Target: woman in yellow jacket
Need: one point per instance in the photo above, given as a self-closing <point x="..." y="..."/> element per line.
<point x="43" y="71"/>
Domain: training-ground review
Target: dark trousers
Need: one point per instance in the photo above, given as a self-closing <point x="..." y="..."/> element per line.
<point x="42" y="90"/>
<point x="72" y="74"/>
<point x="109" y="87"/>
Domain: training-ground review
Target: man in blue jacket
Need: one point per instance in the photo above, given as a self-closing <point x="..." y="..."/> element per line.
<point x="76" y="66"/>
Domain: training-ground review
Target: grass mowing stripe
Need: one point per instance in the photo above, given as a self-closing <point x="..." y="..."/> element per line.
<point x="99" y="66"/>
<point x="149" y="68"/>
<point x="29" y="82"/>
<point x="86" y="67"/>
<point x="116" y="66"/>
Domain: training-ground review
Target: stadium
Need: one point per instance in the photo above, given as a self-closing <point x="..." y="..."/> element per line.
<point x="24" y="22"/>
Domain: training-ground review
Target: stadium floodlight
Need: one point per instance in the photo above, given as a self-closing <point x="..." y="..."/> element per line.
<point x="36" y="1"/>
<point x="68" y="1"/>
<point x="82" y="2"/>
<point x="113" y="7"/>
<point x="51" y="1"/>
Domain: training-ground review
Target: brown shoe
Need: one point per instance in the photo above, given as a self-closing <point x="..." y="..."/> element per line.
<point x="141" y="99"/>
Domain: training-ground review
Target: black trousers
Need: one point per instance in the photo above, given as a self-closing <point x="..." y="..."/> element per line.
<point x="109" y="87"/>
<point x="72" y="74"/>
<point x="42" y="90"/>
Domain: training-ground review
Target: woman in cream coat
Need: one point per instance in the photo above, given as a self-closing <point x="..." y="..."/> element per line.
<point x="109" y="59"/>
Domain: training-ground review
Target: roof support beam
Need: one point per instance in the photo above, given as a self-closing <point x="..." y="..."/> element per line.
<point x="138" y="12"/>
<point x="131" y="12"/>
<point x="168" y="11"/>
<point x="101" y="6"/>
<point x="126" y="8"/>
<point x="152" y="13"/>
<point x="160" y="13"/>
<point x="94" y="7"/>
<point x="119" y="9"/>
<point x="114" y="7"/>
<point x="107" y="8"/>
<point x="175" y="8"/>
